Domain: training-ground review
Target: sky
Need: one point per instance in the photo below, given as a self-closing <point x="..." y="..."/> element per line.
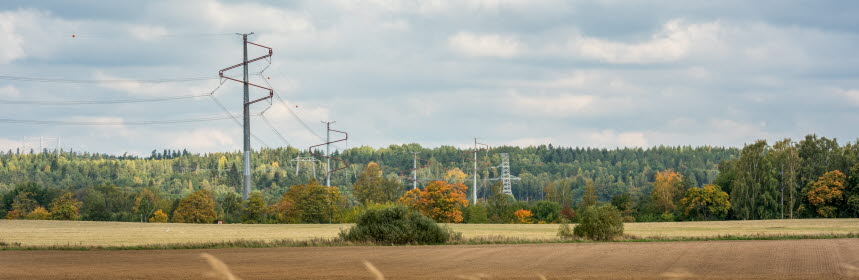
<point x="603" y="73"/>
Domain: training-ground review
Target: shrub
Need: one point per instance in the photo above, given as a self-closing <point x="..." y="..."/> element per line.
<point x="396" y="225"/>
<point x="565" y="231"/>
<point x="477" y="214"/>
<point x="601" y="222"/>
<point x="547" y="211"/>
<point x="40" y="213"/>
<point x="568" y="213"/>
<point x="158" y="217"/>
<point x="524" y="216"/>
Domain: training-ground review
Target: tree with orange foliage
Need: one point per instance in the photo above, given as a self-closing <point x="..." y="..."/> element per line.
<point x="158" y="217"/>
<point x="524" y="216"/>
<point x="827" y="192"/>
<point x="440" y="201"/>
<point x="666" y="185"/>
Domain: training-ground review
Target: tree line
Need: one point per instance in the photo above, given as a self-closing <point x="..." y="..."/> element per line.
<point x="814" y="177"/>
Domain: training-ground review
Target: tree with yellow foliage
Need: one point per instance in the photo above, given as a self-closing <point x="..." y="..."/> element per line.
<point x="706" y="203"/>
<point x="439" y="200"/>
<point x="666" y="185"/>
<point x="455" y="176"/>
<point x="827" y="193"/>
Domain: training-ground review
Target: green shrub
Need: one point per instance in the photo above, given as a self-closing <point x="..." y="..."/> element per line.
<point x="565" y="231"/>
<point x="602" y="222"/>
<point x="476" y="214"/>
<point x="396" y="225"/>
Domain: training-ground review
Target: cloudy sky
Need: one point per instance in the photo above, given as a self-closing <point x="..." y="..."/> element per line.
<point x="605" y="73"/>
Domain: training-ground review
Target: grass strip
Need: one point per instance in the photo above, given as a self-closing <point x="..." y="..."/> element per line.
<point x="488" y="240"/>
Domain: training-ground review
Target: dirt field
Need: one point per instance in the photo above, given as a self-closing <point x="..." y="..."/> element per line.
<point x="127" y="234"/>
<point x="781" y="259"/>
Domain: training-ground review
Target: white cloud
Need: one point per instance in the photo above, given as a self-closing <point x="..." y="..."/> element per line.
<point x="147" y="32"/>
<point x="7" y="144"/>
<point x="554" y="106"/>
<point x="153" y="89"/>
<point x="852" y="96"/>
<point x="674" y="42"/>
<point x="203" y="139"/>
<point x="11" y="44"/>
<point x="610" y="138"/>
<point x="9" y="91"/>
<point x="489" y="45"/>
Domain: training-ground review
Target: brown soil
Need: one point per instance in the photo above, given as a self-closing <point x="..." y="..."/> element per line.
<point x="782" y="259"/>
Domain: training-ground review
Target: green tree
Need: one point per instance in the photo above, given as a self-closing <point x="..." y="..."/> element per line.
<point x="706" y="203"/>
<point x="589" y="198"/>
<point x="786" y="160"/>
<point x="372" y="187"/>
<point x="547" y="211"/>
<point x="65" y="207"/>
<point x="755" y="191"/>
<point x="311" y="203"/>
<point x="145" y="204"/>
<point x="255" y="210"/>
<point x="198" y="207"/>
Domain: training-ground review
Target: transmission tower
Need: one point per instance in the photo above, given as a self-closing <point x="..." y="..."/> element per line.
<point x="246" y="172"/>
<point x="327" y="154"/>
<point x="506" y="178"/>
<point x="299" y="160"/>
<point x="474" y="190"/>
<point x="414" y="170"/>
<point x="40" y="143"/>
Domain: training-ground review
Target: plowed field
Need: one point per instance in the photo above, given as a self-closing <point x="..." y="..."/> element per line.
<point x="780" y="259"/>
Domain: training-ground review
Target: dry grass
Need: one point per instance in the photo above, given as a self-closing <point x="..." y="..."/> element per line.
<point x="115" y="234"/>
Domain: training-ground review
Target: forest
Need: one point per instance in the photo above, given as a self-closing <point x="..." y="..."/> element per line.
<point x="813" y="177"/>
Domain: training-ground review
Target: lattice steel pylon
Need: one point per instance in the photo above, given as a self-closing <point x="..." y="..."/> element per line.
<point x="299" y="160"/>
<point x="506" y="178"/>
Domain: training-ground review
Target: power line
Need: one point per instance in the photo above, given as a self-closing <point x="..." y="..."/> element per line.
<point x="291" y="112"/>
<point x="97" y="102"/>
<point x="52" y="122"/>
<point x="231" y="116"/>
<point x="83" y="81"/>
<point x="274" y="129"/>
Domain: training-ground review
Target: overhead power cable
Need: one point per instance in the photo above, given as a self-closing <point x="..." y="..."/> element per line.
<point x="274" y="129"/>
<point x="97" y="102"/>
<point x="291" y="112"/>
<point x="75" y="81"/>
<point x="52" y="122"/>
<point x="230" y="115"/>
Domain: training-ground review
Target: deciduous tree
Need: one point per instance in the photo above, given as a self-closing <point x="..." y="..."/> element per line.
<point x="440" y="201"/>
<point x="666" y="186"/>
<point x="198" y="207"/>
<point x="65" y="207"/>
<point x="705" y="203"/>
<point x="827" y="193"/>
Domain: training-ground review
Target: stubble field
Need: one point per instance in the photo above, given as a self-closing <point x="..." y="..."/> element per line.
<point x="84" y="233"/>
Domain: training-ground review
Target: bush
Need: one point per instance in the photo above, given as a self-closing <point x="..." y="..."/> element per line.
<point x="601" y="222"/>
<point x="396" y="225"/>
<point x="40" y="213"/>
<point x="158" y="217"/>
<point x="564" y="230"/>
<point x="477" y="214"/>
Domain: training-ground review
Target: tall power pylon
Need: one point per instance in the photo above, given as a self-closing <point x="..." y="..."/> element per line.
<point x="246" y="166"/>
<point x="327" y="154"/>
<point x="506" y="178"/>
<point x="299" y="160"/>
<point x="414" y="170"/>
<point x="474" y="190"/>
